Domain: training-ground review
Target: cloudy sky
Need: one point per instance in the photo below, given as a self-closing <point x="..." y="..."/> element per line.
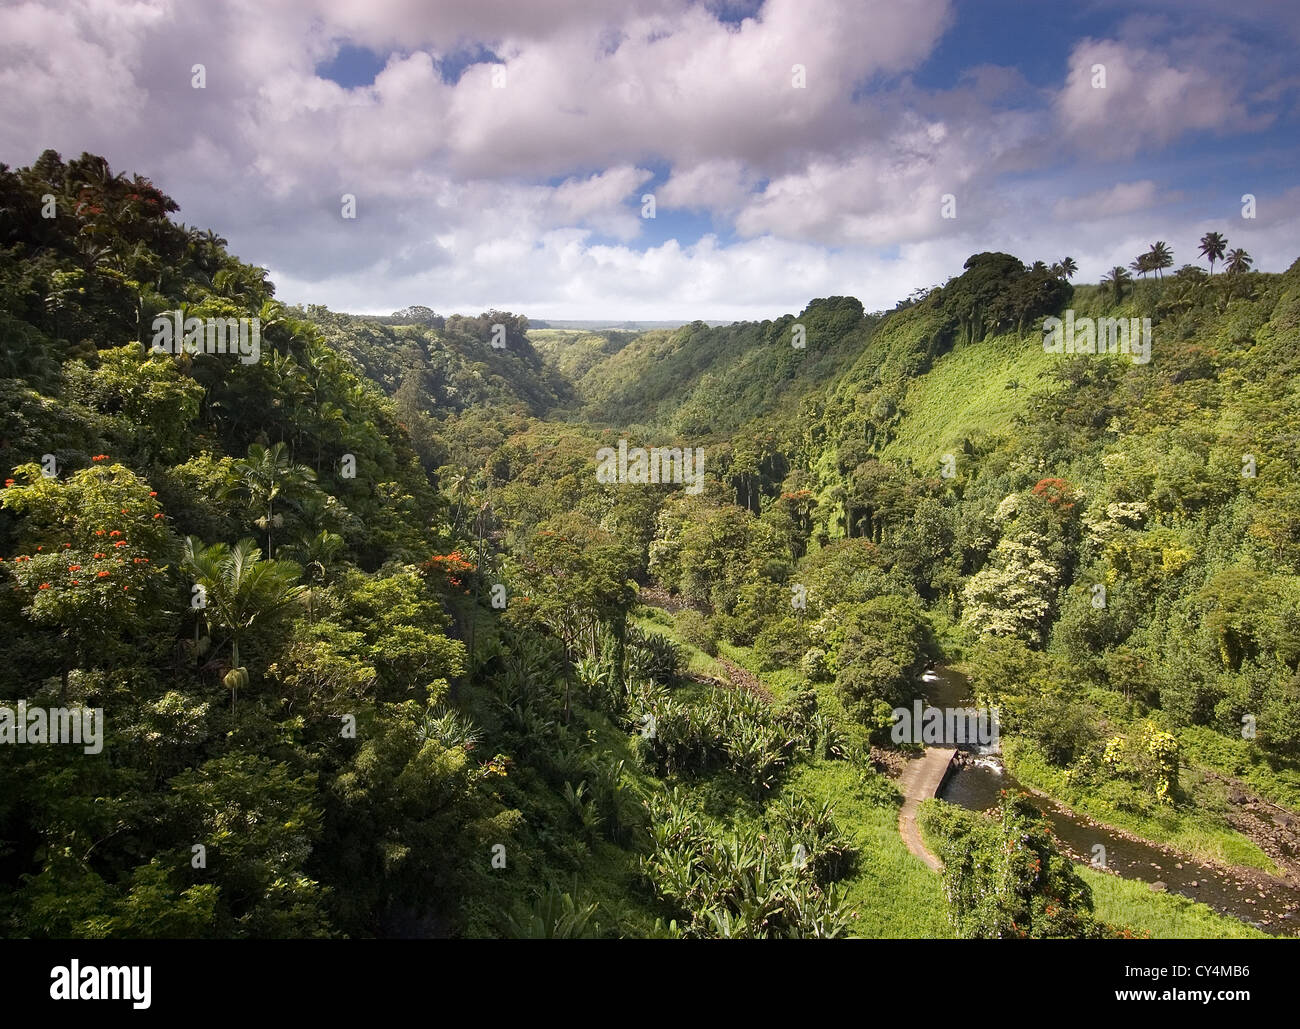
<point x="499" y="150"/>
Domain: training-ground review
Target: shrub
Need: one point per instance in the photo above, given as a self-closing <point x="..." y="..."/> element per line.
<point x="1004" y="877"/>
<point x="814" y="665"/>
<point x="780" y="645"/>
<point x="696" y="630"/>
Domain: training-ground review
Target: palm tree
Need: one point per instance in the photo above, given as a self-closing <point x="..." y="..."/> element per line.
<point x="1118" y="277"/>
<point x="1213" y="244"/>
<point x="1160" y="257"/>
<point x="316" y="554"/>
<point x="1239" y="262"/>
<point x="245" y="284"/>
<point x="265" y="476"/>
<point x="242" y="592"/>
<point x="460" y="488"/>
<point x="1142" y="264"/>
<point x="318" y="512"/>
<point x="1068" y="267"/>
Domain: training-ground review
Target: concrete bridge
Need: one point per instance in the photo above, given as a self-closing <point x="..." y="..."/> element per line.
<point x="920" y="781"/>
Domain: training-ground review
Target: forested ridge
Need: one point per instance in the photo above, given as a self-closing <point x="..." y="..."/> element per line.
<point x="379" y="655"/>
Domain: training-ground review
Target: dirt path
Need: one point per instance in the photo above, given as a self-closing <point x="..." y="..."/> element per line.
<point x="920" y="781"/>
<point x="920" y="778"/>
<point x="746" y="680"/>
<point x="656" y="596"/>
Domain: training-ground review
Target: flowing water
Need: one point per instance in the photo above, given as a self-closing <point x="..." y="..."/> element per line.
<point x="976" y="786"/>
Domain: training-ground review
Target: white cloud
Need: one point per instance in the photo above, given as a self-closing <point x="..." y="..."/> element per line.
<point x="1146" y="101"/>
<point x="472" y="195"/>
<point x="1119" y="199"/>
<point x="718" y="185"/>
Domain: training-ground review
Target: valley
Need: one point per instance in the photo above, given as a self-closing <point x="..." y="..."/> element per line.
<point x="617" y="623"/>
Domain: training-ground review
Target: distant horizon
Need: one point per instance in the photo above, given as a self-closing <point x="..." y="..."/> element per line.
<point x="566" y="323"/>
<point x="534" y="320"/>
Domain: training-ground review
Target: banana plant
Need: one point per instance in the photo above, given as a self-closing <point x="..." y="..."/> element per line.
<point x="555" y="916"/>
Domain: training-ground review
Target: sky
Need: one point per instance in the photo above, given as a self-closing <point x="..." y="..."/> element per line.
<point x="500" y="153"/>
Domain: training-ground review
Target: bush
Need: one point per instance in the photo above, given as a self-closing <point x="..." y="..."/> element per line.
<point x="814" y="665"/>
<point x="780" y="645"/>
<point x="749" y="883"/>
<point x="1004" y="876"/>
<point x="654" y="657"/>
<point x="695" y="629"/>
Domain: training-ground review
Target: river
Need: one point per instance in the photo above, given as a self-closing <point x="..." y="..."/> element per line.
<point x="976" y="785"/>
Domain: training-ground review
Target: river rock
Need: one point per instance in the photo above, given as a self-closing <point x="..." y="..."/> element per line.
<point x="1159" y="887"/>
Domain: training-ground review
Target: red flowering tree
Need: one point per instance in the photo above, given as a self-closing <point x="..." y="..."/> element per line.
<point x="454" y="570"/>
<point x="1005" y="877"/>
<point x="91" y="555"/>
<point x="1057" y="494"/>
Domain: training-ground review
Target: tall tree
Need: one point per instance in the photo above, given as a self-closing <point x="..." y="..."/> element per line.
<point x="1160" y="257"/>
<point x="1213" y="244"/>
<point x="1117" y="278"/>
<point x="1239" y="262"/>
<point x="265" y="476"/>
<point x="241" y="592"/>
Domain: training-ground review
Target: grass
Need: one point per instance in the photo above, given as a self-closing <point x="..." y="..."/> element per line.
<point x="965" y="394"/>
<point x="1164" y="916"/>
<point x="656" y="620"/>
<point x="574" y="352"/>
<point x="1132" y="904"/>
<point x="1241" y="759"/>
<point x="894" y="895"/>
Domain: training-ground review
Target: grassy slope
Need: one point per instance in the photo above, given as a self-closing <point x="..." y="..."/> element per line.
<point x="892" y="893"/>
<point x="965" y="394"/>
<point x="1241" y="759"/>
<point x="572" y="352"/>
<point x="711" y="382"/>
<point x="962" y="396"/>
